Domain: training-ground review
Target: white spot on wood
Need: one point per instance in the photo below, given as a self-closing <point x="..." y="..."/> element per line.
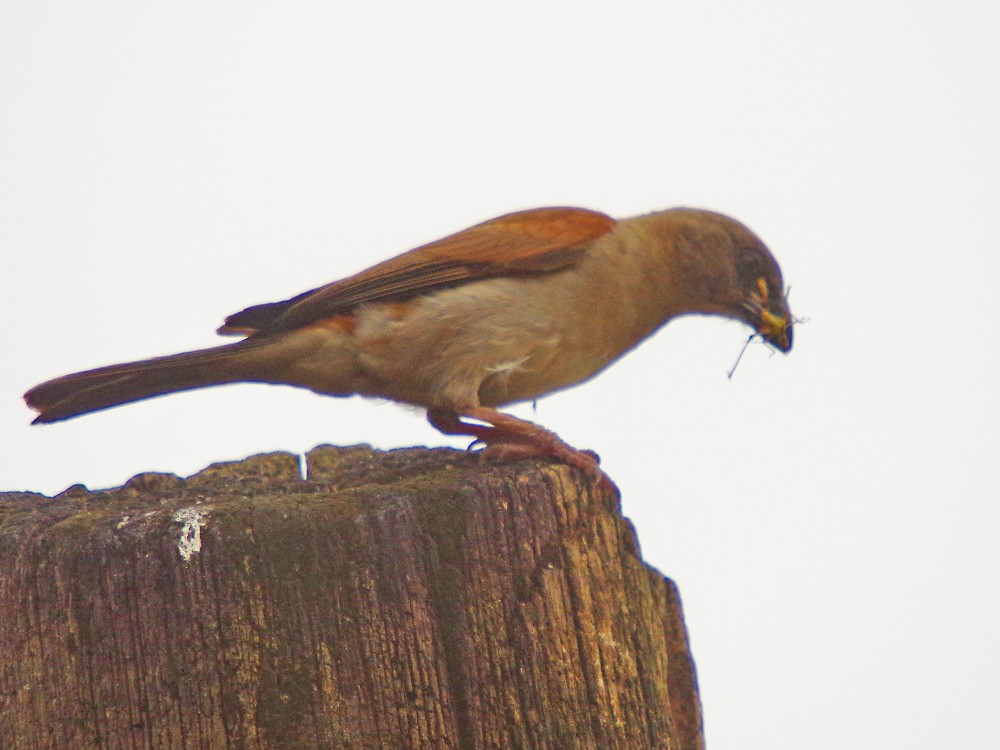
<point x="189" y="542"/>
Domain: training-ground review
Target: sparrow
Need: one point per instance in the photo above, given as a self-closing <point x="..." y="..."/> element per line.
<point x="505" y="311"/>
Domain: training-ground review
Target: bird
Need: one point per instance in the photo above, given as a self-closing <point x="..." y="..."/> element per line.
<point x="505" y="311"/>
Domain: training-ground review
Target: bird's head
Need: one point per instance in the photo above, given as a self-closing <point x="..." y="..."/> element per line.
<point x="733" y="274"/>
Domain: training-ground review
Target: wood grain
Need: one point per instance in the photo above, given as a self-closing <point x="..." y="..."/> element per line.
<point x="409" y="599"/>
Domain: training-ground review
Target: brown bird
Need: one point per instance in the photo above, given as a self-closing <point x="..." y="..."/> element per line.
<point x="505" y="311"/>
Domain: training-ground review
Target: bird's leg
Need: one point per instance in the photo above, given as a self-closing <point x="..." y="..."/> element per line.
<point x="448" y="422"/>
<point x="509" y="438"/>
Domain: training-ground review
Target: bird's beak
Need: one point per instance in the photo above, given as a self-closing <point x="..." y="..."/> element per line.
<point x="775" y="330"/>
<point x="771" y="318"/>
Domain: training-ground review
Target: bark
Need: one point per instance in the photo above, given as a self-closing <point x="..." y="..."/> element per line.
<point x="409" y="599"/>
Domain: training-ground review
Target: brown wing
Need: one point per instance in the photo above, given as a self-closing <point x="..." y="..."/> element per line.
<point x="526" y="242"/>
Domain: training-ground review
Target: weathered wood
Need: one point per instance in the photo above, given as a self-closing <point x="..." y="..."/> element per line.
<point x="409" y="599"/>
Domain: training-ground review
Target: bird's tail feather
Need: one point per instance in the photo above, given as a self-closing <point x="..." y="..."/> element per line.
<point x="93" y="390"/>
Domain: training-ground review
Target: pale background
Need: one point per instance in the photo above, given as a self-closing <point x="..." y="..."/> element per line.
<point x="830" y="517"/>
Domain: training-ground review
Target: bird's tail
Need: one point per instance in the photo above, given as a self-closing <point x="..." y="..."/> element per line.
<point x="93" y="390"/>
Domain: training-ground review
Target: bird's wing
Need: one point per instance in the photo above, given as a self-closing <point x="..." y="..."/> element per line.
<point x="526" y="242"/>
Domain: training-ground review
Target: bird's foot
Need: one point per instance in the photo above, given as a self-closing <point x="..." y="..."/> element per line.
<point x="508" y="438"/>
<point x="586" y="461"/>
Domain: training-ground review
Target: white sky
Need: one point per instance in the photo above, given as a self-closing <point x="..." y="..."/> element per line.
<point x="830" y="517"/>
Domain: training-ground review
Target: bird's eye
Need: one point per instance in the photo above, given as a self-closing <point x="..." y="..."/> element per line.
<point x="750" y="266"/>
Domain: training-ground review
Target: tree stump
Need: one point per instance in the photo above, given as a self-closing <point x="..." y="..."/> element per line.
<point x="409" y="599"/>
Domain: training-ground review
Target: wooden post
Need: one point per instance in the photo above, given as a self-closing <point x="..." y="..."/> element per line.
<point x="408" y="599"/>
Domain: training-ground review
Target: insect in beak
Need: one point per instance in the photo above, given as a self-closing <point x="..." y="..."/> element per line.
<point x="774" y="327"/>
